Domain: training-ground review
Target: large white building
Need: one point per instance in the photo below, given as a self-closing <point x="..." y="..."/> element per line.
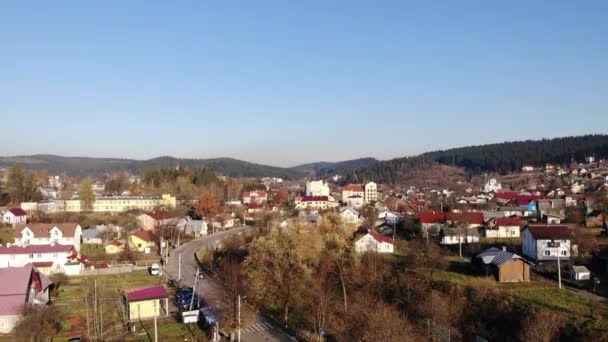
<point x="47" y="258"/>
<point x="317" y="188"/>
<point x="66" y="234"/>
<point x="105" y="204"/>
<point x="366" y="192"/>
<point x="492" y="186"/>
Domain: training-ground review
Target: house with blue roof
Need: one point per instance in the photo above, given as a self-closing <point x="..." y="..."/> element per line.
<point x="506" y="267"/>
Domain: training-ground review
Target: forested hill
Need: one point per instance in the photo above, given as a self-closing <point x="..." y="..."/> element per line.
<point x="502" y="157"/>
<point x="321" y="169"/>
<point x="85" y="166"/>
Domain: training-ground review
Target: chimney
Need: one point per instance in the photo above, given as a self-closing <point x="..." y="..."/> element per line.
<point x="504" y="248"/>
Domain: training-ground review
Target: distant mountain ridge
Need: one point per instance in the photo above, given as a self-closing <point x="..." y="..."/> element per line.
<point x="321" y="169"/>
<point x="88" y="166"/>
<point x="500" y="158"/>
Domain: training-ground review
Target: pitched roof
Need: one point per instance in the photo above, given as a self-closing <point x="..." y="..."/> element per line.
<point x="496" y="256"/>
<point x="432" y="217"/>
<point x="467" y="217"/>
<point x="15" y="285"/>
<point x="314" y="198"/>
<point x="34" y="249"/>
<point x="545" y="232"/>
<point x="461" y="232"/>
<point x="147" y="293"/>
<point x="18" y="212"/>
<point x="354" y="187"/>
<point x="506" y="195"/>
<point x="526" y="199"/>
<point x="507" y="221"/>
<point x="68" y="229"/>
<point x="380" y="238"/>
<point x="159" y="215"/>
<point x="145" y="235"/>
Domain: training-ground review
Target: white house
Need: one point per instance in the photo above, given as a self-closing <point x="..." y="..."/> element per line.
<point x="14" y="216"/>
<point x="67" y="234"/>
<point x="47" y="258"/>
<point x="255" y="197"/>
<point x="492" y="186"/>
<point x="504" y="228"/>
<point x="368" y="192"/>
<point x="317" y="188"/>
<point x="546" y="243"/>
<point x="315" y="202"/>
<point x="20" y="288"/>
<point x="349" y="215"/>
<point x="388" y="216"/>
<point x="453" y="236"/>
<point x="374" y="242"/>
<point x="355" y="201"/>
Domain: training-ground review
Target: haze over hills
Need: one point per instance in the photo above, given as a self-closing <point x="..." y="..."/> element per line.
<point x="500" y="157"/>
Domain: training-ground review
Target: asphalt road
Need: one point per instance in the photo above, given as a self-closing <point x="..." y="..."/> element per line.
<point x="212" y="291"/>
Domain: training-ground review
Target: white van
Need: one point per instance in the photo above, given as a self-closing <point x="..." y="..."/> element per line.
<point x="155" y="270"/>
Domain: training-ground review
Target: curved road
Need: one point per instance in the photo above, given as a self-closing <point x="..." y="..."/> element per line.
<point x="212" y="290"/>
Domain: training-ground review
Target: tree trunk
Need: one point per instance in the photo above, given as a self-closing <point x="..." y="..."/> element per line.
<point x="285" y="313"/>
<point x="343" y="287"/>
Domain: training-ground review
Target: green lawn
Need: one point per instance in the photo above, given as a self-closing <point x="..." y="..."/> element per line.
<point x="7" y="235"/>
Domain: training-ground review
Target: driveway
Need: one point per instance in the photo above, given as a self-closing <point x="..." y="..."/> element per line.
<point x="212" y="291"/>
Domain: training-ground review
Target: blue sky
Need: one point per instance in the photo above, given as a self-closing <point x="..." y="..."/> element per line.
<point x="287" y="82"/>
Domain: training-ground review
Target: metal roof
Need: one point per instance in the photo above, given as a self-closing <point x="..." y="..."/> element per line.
<point x="497" y="256"/>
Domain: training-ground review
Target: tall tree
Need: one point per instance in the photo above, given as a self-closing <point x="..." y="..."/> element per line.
<point x="278" y="270"/>
<point x="16" y="178"/>
<point x="207" y="205"/>
<point x="87" y="196"/>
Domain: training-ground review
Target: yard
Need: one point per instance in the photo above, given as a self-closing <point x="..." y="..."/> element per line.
<point x="77" y="295"/>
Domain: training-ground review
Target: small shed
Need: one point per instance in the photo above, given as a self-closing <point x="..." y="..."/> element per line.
<point x="147" y="302"/>
<point x="580" y="273"/>
<point x="506" y="267"/>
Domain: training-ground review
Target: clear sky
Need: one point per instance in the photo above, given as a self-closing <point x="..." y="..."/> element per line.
<point x="287" y="82"/>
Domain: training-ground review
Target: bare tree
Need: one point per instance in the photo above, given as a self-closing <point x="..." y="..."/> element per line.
<point x="541" y="326"/>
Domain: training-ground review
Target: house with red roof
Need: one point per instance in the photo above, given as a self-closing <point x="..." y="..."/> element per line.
<point x="374" y="242"/>
<point x="67" y="234"/>
<point x="504" y="227"/>
<point x="20" y="288"/>
<point x="147" y="302"/>
<point x="150" y="220"/>
<point x="47" y="258"/>
<point x="143" y="241"/>
<point x="547" y="242"/>
<point x="255" y="197"/>
<point x="14" y="216"/>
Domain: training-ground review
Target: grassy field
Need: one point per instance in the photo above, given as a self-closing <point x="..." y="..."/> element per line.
<point x="571" y="305"/>
<point x="6" y="235"/>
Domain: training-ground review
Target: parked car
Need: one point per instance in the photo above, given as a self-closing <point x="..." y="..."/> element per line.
<point x="155" y="270"/>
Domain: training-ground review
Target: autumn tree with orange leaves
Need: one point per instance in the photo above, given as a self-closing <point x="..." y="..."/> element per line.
<point x="207" y="205"/>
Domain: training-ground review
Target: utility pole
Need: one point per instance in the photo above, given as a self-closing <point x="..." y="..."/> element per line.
<point x="95" y="308"/>
<point x="559" y="269"/>
<point x="179" y="267"/>
<point x="155" y="326"/>
<point x="238" y="306"/>
<point x="459" y="241"/>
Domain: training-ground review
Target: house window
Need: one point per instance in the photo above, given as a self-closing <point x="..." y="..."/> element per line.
<point x="564" y="253"/>
<point x="55" y="233"/>
<point x="54" y="255"/>
<point x="547" y="253"/>
<point x="31" y="256"/>
<point x="39" y="256"/>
